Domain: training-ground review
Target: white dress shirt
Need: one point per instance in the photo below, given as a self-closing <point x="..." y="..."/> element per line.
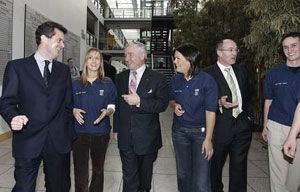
<point x="239" y="95"/>
<point x="41" y="62"/>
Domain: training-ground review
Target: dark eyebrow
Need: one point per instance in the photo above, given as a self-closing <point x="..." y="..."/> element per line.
<point x="291" y="44"/>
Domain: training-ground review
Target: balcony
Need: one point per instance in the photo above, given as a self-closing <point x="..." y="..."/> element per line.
<point x="91" y="40"/>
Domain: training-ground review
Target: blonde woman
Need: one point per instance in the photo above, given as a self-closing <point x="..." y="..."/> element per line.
<point x="94" y="101"/>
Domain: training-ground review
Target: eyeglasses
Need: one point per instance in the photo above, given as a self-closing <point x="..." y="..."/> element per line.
<point x="231" y="50"/>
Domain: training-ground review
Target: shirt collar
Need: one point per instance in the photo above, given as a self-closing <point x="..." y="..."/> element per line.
<point x="222" y="67"/>
<point x="39" y="58"/>
<point x="96" y="81"/>
<point x="140" y="71"/>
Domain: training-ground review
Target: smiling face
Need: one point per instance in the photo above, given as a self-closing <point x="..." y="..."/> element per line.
<point x="93" y="62"/>
<point x="182" y="65"/>
<point x="134" y="57"/>
<point x="291" y="49"/>
<point x="51" y="47"/>
<point x="227" y="54"/>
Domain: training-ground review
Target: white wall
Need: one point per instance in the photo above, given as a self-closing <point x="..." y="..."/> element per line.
<point x="70" y="13"/>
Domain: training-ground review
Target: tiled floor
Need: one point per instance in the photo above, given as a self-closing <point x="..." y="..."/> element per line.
<point x="164" y="176"/>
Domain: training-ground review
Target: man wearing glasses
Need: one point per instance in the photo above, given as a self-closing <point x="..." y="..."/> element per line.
<point x="233" y="130"/>
<point x="281" y="87"/>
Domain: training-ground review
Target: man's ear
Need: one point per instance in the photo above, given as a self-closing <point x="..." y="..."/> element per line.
<point x="143" y="56"/>
<point x="44" y="38"/>
<point x="219" y="52"/>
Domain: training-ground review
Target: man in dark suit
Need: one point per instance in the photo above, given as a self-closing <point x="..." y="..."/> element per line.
<point x="109" y="70"/>
<point x="233" y="132"/>
<point x="142" y="95"/>
<point x="37" y="104"/>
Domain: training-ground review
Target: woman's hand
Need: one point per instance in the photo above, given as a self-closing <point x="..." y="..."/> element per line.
<point x="77" y="113"/>
<point x="207" y="148"/>
<point x="104" y="112"/>
<point x="176" y="107"/>
<point x="178" y="110"/>
<point x="101" y="116"/>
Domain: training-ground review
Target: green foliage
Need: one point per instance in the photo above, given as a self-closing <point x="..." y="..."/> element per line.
<point x="273" y="19"/>
<point x="218" y="19"/>
<point x="256" y="26"/>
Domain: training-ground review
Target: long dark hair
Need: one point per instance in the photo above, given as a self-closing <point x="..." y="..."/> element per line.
<point x="192" y="54"/>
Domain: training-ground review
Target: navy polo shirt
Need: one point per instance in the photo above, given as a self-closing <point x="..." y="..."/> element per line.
<point x="195" y="97"/>
<point x="281" y="86"/>
<point x="91" y="98"/>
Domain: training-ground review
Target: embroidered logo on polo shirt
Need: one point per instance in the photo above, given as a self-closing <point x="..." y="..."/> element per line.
<point x="177" y="91"/>
<point x="80" y="92"/>
<point x="101" y="92"/>
<point x="196" y="92"/>
<point x="281" y="83"/>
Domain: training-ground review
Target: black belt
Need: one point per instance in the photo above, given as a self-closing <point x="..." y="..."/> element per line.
<point x="191" y="130"/>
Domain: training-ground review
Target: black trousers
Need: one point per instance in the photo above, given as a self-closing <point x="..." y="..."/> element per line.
<point x="237" y="149"/>
<point x="84" y="147"/>
<point x="137" y="170"/>
<point x="56" y="170"/>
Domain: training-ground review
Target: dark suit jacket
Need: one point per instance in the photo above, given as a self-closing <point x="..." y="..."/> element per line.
<point x="141" y="126"/>
<point x="49" y="110"/>
<point x="223" y="129"/>
<point x="110" y="71"/>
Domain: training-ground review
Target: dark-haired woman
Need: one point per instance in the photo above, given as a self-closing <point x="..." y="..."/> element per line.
<point x="94" y="97"/>
<point x="194" y="100"/>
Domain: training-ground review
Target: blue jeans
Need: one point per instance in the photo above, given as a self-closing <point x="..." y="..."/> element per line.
<point x="193" y="170"/>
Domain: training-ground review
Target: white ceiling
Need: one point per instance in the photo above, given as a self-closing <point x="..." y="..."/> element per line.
<point x="130" y="34"/>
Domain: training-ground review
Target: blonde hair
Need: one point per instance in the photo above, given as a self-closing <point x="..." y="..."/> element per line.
<point x="100" y="73"/>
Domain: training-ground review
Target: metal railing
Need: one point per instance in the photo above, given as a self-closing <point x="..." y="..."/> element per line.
<point x="91" y="40"/>
<point x="96" y="3"/>
<point x="144" y="13"/>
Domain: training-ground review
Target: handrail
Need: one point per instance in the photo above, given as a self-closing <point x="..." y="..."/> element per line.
<point x="96" y="3"/>
<point x="91" y="40"/>
<point x="143" y="13"/>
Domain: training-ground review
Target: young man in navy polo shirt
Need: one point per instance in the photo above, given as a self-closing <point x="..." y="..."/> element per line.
<point x="280" y="92"/>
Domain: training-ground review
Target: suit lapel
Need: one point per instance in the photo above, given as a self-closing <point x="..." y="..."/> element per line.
<point x="54" y="72"/>
<point x="221" y="77"/>
<point x="239" y="77"/>
<point x="143" y="82"/>
<point x="34" y="70"/>
<point x="125" y="82"/>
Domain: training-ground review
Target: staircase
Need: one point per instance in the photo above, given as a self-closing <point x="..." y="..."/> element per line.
<point x="161" y="27"/>
<point x="169" y="73"/>
<point x="159" y="41"/>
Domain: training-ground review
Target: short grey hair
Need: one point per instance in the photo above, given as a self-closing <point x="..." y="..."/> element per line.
<point x="140" y="46"/>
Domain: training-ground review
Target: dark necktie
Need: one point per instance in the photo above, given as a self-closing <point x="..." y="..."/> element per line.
<point x="46" y="73"/>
